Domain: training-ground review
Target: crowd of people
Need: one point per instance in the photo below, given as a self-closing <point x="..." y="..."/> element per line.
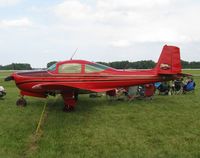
<point x="178" y="86"/>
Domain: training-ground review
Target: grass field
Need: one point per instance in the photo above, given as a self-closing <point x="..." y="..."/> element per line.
<point x="167" y="126"/>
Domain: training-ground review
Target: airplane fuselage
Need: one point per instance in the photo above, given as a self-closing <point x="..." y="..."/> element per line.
<point x="72" y="77"/>
<point x="99" y="82"/>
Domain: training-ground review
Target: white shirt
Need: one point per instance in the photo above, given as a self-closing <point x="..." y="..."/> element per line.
<point x="2" y="89"/>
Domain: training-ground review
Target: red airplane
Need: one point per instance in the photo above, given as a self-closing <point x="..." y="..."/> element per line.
<point x="73" y="77"/>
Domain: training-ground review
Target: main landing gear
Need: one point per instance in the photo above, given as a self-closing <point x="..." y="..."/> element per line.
<point x="21" y="102"/>
<point x="69" y="101"/>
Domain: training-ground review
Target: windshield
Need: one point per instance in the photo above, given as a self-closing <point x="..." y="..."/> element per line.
<point x="52" y="67"/>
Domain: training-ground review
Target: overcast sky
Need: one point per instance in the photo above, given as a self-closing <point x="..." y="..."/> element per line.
<point x="36" y="31"/>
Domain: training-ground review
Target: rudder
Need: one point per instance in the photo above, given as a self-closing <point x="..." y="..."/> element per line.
<point x="169" y="61"/>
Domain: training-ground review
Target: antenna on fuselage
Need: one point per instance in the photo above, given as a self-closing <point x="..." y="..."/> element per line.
<point x="74" y="54"/>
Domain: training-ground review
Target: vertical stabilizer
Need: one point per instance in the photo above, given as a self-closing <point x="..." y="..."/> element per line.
<point x="169" y="61"/>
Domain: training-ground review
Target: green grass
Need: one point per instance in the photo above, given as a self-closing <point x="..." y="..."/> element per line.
<point x="4" y="73"/>
<point x="193" y="72"/>
<point x="167" y="126"/>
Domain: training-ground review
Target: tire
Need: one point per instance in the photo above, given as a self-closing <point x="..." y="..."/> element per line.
<point x="21" y="102"/>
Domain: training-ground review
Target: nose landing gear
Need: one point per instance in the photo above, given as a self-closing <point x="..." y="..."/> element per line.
<point x="21" y="102"/>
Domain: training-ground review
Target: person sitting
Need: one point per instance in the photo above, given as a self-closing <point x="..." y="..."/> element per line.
<point x="132" y="93"/>
<point x="157" y="84"/>
<point x="190" y="86"/>
<point x="111" y="94"/>
<point x="149" y="90"/>
<point x="164" y="88"/>
<point x="2" y="91"/>
<point x="177" y="86"/>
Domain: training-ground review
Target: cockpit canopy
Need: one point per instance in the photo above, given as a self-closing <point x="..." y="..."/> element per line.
<point x="77" y="67"/>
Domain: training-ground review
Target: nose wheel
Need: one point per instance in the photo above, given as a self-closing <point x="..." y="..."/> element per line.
<point x="21" y="102"/>
<point x="69" y="102"/>
<point x="68" y="108"/>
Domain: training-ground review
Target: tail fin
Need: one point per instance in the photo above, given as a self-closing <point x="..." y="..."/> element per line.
<point x="169" y="61"/>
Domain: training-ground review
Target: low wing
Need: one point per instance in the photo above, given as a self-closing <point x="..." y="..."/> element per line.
<point x="64" y="86"/>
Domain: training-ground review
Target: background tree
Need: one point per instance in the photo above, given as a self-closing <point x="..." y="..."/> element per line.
<point x="147" y="64"/>
<point x="16" y="66"/>
<point x="144" y="64"/>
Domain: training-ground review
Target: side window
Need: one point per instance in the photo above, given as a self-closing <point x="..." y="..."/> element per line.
<point x="90" y="68"/>
<point x="69" y="68"/>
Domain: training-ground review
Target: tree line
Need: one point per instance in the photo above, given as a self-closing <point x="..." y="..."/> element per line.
<point x="16" y="66"/>
<point x="147" y="64"/>
<point x="144" y="64"/>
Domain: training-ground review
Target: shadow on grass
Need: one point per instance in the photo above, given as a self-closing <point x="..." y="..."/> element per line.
<point x="2" y="98"/>
<point x="84" y="104"/>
